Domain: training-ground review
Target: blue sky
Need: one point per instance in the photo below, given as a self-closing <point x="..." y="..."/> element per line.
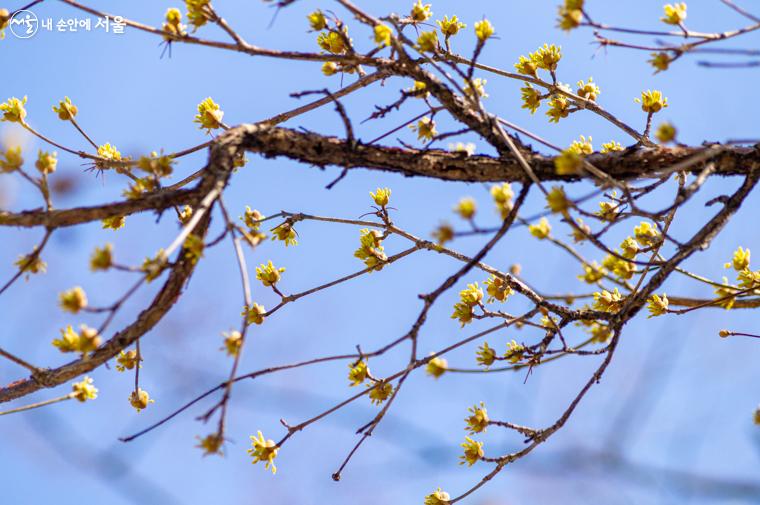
<point x="692" y="413"/>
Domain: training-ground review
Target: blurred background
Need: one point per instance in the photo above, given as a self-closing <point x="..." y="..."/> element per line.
<point x="671" y="421"/>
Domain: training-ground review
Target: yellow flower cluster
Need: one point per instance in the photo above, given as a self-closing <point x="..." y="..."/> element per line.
<point x="84" y="390"/>
<point x="497" y="289"/>
<point x="570" y="14"/>
<point x="380" y="392"/>
<point x="102" y="258"/>
<point x="652" y="101"/>
<point x="84" y="341"/>
<point x="436" y="367"/>
<point x="606" y="301"/>
<point x="450" y="27"/>
<point x="66" y="110"/>
<point x="468" y="299"/>
<point x="285" y="233"/>
<point x="477" y="422"/>
<point x="657" y="305"/>
<point x="233" y="340"/>
<point x="198" y="12"/>
<point x="540" y="230"/>
<point x="13" y="110"/>
<point x="675" y="13"/>
<point x="268" y="274"/>
<point x="140" y="399"/>
<point x="502" y="196"/>
<point x="358" y="373"/>
<point x="13" y="160"/>
<point x="254" y="314"/>
<point x="209" y="115"/>
<point x="263" y="450"/>
<point x="473" y="451"/>
<point x="173" y="27"/>
<point x="370" y="250"/>
<point x="381" y="196"/>
<point x="73" y="300"/>
<point x="128" y="361"/>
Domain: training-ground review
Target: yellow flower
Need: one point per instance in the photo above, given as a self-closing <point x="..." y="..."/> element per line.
<point x="31" y="264"/>
<point x="437" y="497"/>
<point x="444" y="233"/>
<point x="725" y="295"/>
<point x="660" y="62"/>
<point x="13" y="160"/>
<point x="531" y="98"/>
<point x="173" y="26"/>
<point x="569" y="162"/>
<point x="428" y="41"/>
<point x="463" y="313"/>
<point x="485" y="355"/>
<point x="380" y="393"/>
<point x="526" y="66"/>
<point x="569" y="18"/>
<point x="419" y="90"/>
<point x="646" y="234"/>
<point x="621" y="268"/>
<point x="263" y="450"/>
<point x="473" y="451"/>
<point x="467" y="149"/>
<point x="581" y="232"/>
<point x="420" y="12"/>
<point x="160" y="166"/>
<point x="497" y="289"/>
<point x="114" y="223"/>
<point x="370" y="250"/>
<point x="211" y="444"/>
<point x="46" y="162"/>
<point x="514" y="352"/>
<point x="476" y="89"/>
<point x="675" y="13"/>
<point x="756" y="416"/>
<point x="4" y="18"/>
<point x="73" y="300"/>
<point x="540" y="230"/>
<point x="657" y="306"/>
<point x="582" y="146"/>
<point x="197" y="12"/>
<point x="547" y="57"/>
<point x="611" y="146"/>
<point x="436" y="367"/>
<point x="450" y="27"/>
<point x="652" y="101"/>
<point x="140" y="186"/>
<point x="13" y="110"/>
<point x="128" y="361"/>
<point x="502" y="196"/>
<point x="233" y="340"/>
<point x="600" y="333"/>
<point x="557" y="200"/>
<point x="102" y="258"/>
<point x="268" y="274"/>
<point x="84" y="341"/>
<point x="109" y="153"/>
<point x="665" y="133"/>
<point x="740" y="260"/>
<point x="329" y="68"/>
<point x="630" y="248"/>
<point x="140" y="399"/>
<point x="608" y="211"/>
<point x="381" y="196"/>
<point x="588" y="90"/>
<point x="478" y="421"/>
<point x="285" y="233"/>
<point x="209" y="115"/>
<point x="254" y="314"/>
<point x="383" y="35"/>
<point x="466" y="208"/>
<point x="152" y="267"/>
<point x="65" y="110"/>
<point x="608" y="301"/>
<point x="334" y="42"/>
<point x="559" y="108"/>
<point x="471" y="296"/>
<point x="358" y="372"/>
<point x="483" y="30"/>
<point x="425" y="129"/>
<point x="84" y="390"/>
<point x="317" y="21"/>
<point x="592" y="273"/>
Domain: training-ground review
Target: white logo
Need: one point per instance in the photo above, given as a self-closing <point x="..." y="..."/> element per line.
<point x="24" y="24"/>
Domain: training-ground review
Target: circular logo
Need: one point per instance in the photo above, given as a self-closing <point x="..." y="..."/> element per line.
<point x="24" y="24"/>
